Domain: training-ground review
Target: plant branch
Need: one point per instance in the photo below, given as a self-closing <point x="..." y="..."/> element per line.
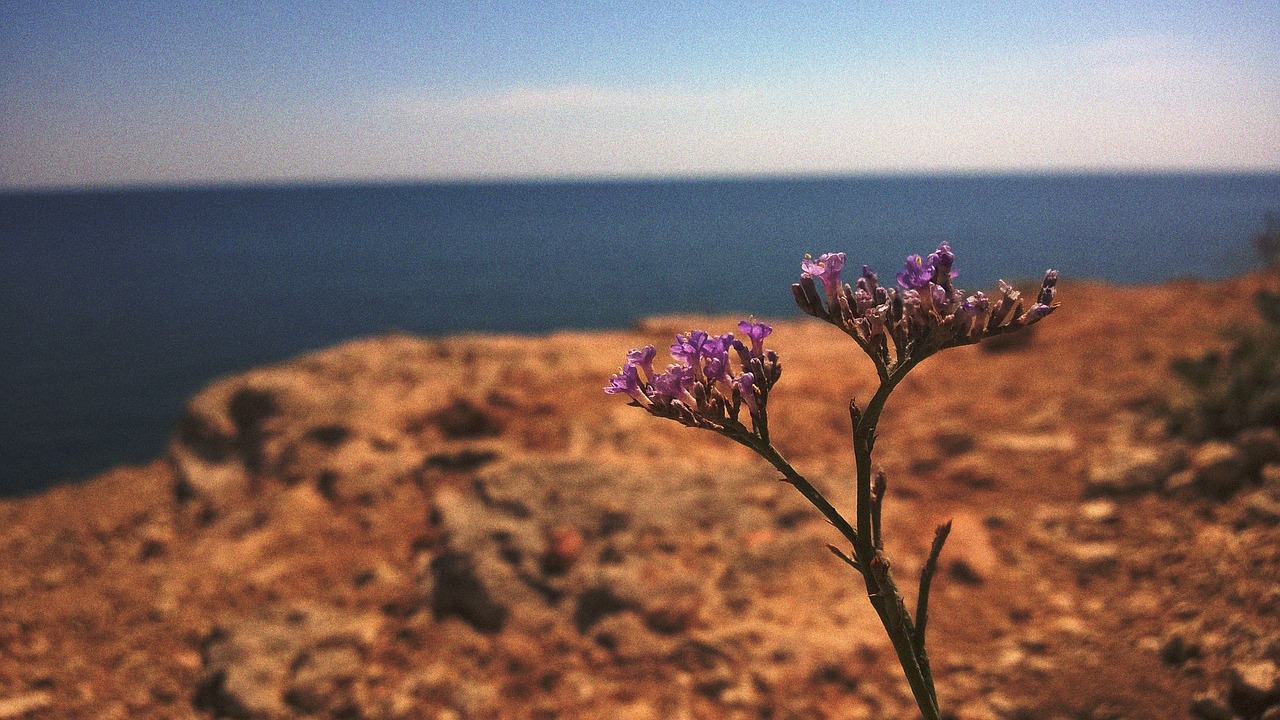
<point x="768" y="452"/>
<point x="926" y="580"/>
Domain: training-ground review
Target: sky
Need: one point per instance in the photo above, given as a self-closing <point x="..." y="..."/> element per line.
<point x="97" y="94"/>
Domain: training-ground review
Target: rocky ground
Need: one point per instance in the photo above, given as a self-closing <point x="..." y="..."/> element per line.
<point x="469" y="528"/>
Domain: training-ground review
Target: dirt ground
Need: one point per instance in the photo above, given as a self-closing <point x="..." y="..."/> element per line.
<point x="469" y="528"/>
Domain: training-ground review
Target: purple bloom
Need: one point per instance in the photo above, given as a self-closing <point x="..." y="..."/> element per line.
<point x="827" y="269"/>
<point x="643" y="358"/>
<point x="717" y="346"/>
<point x="675" y="384"/>
<point x="717" y="368"/>
<point x="687" y="349"/>
<point x="628" y="381"/>
<point x="747" y="388"/>
<point x="941" y="261"/>
<point x="757" y="331"/>
<point x="917" y="274"/>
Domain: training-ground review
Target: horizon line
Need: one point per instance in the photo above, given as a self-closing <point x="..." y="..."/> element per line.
<point x="620" y="179"/>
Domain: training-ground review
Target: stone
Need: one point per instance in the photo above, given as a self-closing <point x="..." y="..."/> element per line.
<point x="1176" y="651"/>
<point x="1259" y="445"/>
<point x="1099" y="511"/>
<point x="1220" y="468"/>
<point x="1270" y="476"/>
<point x="1255" y="687"/>
<point x="1127" y="471"/>
<point x="1210" y="707"/>
<point x="1180" y="482"/>
<point x="1259" y="508"/>
<point x="250" y="661"/>
<point x="20" y="705"/>
<point x="1094" y="556"/>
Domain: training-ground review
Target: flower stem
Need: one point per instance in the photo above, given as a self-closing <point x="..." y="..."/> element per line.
<point x="881" y="589"/>
<point x="768" y="452"/>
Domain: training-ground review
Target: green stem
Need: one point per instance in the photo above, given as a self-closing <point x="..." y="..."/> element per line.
<point x="768" y="452"/>
<point x="881" y="588"/>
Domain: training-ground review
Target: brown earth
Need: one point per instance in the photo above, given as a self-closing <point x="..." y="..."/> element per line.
<point x="469" y="528"/>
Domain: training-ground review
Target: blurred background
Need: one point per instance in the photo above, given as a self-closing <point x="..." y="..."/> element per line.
<point x="188" y="191"/>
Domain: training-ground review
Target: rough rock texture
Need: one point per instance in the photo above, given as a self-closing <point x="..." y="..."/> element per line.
<point x="468" y="528"/>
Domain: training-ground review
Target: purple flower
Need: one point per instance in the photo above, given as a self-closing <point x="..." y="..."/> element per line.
<point x="827" y="269"/>
<point x="757" y="331"/>
<point x="687" y="349"/>
<point x="717" y="368"/>
<point x="675" y="384"/>
<point x="643" y="358"/>
<point x="747" y="388"/>
<point x="941" y="261"/>
<point x="917" y="274"/>
<point x="628" y="381"/>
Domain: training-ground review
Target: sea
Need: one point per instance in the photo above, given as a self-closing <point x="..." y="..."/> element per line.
<point x="117" y="305"/>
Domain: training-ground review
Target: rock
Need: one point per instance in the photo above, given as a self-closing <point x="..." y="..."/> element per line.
<point x="1099" y="511"/>
<point x="1270" y="476"/>
<point x="1255" y="687"/>
<point x="1259" y="445"/>
<point x="321" y="677"/>
<point x="1271" y="714"/>
<point x="1181" y="482"/>
<point x="1094" y="556"/>
<point x="564" y="545"/>
<point x="1127" y="470"/>
<point x="1220" y="468"/>
<point x="20" y="705"/>
<point x="274" y="664"/>
<point x="1259" y="508"/>
<point x="1176" y="651"/>
<point x="460" y="592"/>
<point x="1210" y="707"/>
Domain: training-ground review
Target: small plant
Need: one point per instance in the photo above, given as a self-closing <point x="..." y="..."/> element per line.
<point x="897" y="328"/>
<point x="1238" y="388"/>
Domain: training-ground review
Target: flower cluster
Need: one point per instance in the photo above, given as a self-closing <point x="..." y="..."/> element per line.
<point x="924" y="314"/>
<point x="701" y="388"/>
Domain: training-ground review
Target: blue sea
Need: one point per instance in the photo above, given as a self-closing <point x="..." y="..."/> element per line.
<point x="117" y="305"/>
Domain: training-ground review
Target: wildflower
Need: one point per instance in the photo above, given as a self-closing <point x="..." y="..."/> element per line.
<point x="643" y="358"/>
<point x="757" y="331"/>
<point x="687" y="349"/>
<point x="704" y="387"/>
<point x="941" y="260"/>
<point x="827" y="269"/>
<point x="916" y="275"/>
<point x="925" y="313"/>
<point x="628" y="381"/>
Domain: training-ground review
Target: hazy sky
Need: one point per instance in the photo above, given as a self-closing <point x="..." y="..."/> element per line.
<point x="191" y="92"/>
